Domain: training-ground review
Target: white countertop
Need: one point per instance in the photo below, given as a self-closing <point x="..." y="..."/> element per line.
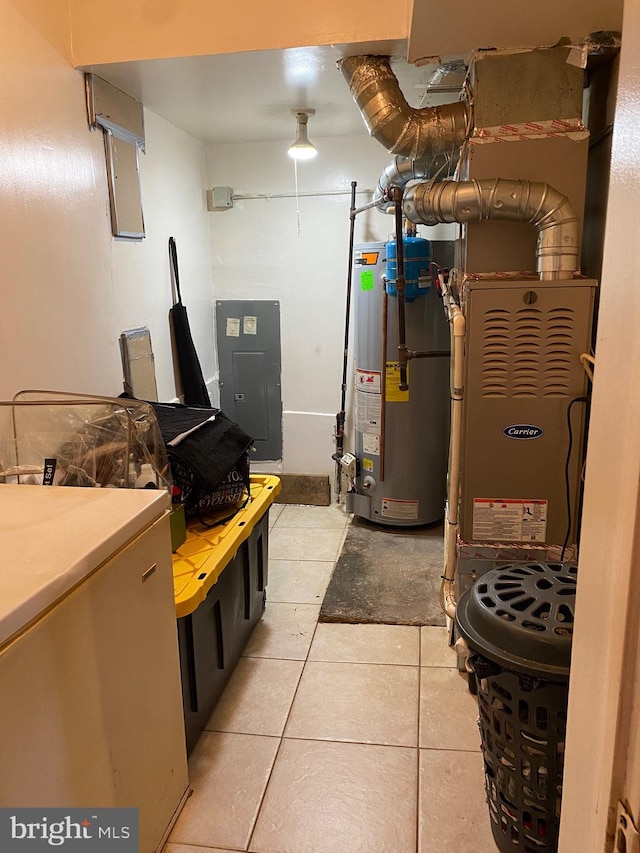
<point x="52" y="537"/>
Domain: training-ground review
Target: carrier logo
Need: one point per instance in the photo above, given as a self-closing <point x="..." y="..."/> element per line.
<point x="523" y="431"/>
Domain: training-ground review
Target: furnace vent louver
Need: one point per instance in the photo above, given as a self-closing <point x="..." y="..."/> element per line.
<point x="527" y="353"/>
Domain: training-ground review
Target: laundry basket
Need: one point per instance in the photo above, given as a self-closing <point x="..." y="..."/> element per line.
<point x="518" y="623"/>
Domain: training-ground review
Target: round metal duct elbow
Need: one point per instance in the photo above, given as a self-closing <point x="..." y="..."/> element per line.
<point x="402" y="170"/>
<point x="516" y="201"/>
<point x="402" y="129"/>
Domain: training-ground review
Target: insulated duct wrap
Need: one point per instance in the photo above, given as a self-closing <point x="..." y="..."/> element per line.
<point x="401" y="170"/>
<point x="402" y="129"/>
<point x="517" y="201"/>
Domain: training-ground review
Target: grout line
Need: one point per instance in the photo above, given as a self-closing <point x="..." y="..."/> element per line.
<point x="450" y="749"/>
<point x="323" y="660"/>
<point x="354" y="742"/>
<point x="365" y="663"/>
<point x="418" y="789"/>
<point x="200" y="846"/>
<point x="295" y="693"/>
<point x="297" y="560"/>
<point x="302" y="559"/>
<point x="309" y="526"/>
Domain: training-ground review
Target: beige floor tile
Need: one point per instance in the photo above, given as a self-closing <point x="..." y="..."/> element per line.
<point x="364" y="703"/>
<point x="339" y="798"/>
<point x="298" y="581"/>
<point x="285" y="631"/>
<point x="257" y="699"/>
<point x="313" y="516"/>
<point x="435" y="649"/>
<point x="448" y="712"/>
<point x="304" y="543"/>
<point x="228" y="774"/>
<point x="393" y="644"/>
<point x="453" y="814"/>
<point x="275" y="511"/>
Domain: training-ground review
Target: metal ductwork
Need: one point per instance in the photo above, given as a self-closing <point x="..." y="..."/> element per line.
<point x="517" y="201"/>
<point x="402" y="129"/>
<point x="401" y="170"/>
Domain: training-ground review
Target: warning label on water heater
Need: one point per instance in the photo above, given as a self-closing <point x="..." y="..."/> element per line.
<point x="369" y="381"/>
<point x="399" y="509"/>
<point x="368" y="413"/>
<point x="509" y="520"/>
<point x="371" y="444"/>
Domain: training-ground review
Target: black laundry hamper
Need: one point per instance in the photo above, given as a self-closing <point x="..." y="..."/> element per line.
<point x="518" y="622"/>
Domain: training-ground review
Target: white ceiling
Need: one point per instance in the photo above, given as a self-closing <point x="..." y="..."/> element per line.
<point x="249" y="96"/>
<point x="234" y="97"/>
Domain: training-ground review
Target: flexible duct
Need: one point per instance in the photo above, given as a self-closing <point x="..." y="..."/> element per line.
<point x="517" y="201"/>
<point x="401" y="170"/>
<point x="402" y="129"/>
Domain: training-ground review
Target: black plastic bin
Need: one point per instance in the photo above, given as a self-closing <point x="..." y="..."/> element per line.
<point x="518" y="622"/>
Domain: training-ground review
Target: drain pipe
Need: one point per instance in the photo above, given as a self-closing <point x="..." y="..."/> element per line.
<point x="400" y="128"/>
<point x="557" y="258"/>
<point x="341" y="415"/>
<point x="457" y="327"/>
<point x="400" y="288"/>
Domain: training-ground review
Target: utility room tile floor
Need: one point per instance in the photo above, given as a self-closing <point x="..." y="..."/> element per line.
<point x="335" y="738"/>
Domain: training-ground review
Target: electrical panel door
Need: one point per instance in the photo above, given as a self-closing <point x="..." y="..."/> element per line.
<point x="248" y="340"/>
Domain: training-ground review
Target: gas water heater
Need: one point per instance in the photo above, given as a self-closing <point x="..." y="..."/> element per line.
<point x="401" y="437"/>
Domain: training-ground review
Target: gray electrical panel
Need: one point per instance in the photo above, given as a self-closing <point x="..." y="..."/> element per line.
<point x="248" y="340"/>
<point x="524" y="339"/>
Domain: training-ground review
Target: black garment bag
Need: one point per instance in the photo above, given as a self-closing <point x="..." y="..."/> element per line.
<point x="193" y="385"/>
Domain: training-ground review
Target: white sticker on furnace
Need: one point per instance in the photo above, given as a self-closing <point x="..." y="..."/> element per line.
<point x="371" y="444"/>
<point x="399" y="509"/>
<point x="368" y="413"/>
<point x="509" y="520"/>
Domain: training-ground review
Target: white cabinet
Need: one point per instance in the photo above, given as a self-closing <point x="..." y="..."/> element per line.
<point x="90" y="699"/>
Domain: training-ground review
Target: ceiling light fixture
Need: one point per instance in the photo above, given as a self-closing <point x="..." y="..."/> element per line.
<point x="302" y="149"/>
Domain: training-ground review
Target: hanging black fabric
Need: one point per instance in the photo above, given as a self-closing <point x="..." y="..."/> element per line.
<point x="193" y="385"/>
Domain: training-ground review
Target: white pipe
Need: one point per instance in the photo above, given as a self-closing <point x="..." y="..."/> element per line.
<point x="457" y="326"/>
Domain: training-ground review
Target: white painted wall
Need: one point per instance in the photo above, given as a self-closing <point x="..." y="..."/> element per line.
<point x="173" y="180"/>
<point x="258" y="254"/>
<point x="602" y="761"/>
<point x="69" y="288"/>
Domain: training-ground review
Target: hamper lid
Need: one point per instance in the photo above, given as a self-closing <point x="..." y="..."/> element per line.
<point x="521" y="617"/>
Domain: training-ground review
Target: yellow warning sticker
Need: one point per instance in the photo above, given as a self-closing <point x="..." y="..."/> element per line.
<point x="392" y="384"/>
<point x="367" y="464"/>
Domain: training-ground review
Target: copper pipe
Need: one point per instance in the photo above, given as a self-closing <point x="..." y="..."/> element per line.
<point x="383" y="383"/>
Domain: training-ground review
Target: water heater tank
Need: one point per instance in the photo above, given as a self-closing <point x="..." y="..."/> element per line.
<point x="401" y="437"/>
